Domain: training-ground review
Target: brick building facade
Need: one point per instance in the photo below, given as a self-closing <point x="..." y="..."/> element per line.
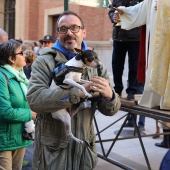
<point x="32" y="19"/>
<point x="36" y="18"/>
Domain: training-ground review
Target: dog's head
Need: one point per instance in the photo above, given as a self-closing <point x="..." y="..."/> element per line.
<point x="89" y="58"/>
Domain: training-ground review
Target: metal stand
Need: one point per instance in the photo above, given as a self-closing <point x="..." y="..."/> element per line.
<point x="106" y="155"/>
<point x="133" y="110"/>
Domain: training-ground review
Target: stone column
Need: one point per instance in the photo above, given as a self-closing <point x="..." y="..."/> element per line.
<point x="20" y="19"/>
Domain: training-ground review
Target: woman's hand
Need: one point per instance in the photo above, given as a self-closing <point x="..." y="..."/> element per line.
<point x="34" y="114"/>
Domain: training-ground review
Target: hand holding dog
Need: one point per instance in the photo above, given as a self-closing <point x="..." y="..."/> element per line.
<point x="101" y="85"/>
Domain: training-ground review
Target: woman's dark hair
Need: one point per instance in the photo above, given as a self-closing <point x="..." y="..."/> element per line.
<point x="35" y="43"/>
<point x="8" y="49"/>
<point x="70" y="13"/>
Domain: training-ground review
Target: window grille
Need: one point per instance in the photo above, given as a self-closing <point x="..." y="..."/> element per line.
<point x="9" y="18"/>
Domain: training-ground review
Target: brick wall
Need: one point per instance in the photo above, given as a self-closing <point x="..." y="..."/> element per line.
<point x="99" y="27"/>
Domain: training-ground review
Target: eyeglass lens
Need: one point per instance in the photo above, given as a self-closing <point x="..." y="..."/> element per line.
<point x="73" y="29"/>
<point x="20" y="53"/>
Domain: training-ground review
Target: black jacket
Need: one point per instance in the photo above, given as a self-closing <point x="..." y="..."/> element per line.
<point x="27" y="71"/>
<point x="118" y="33"/>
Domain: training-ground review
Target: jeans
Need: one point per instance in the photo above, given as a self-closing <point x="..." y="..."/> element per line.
<point x="141" y="122"/>
<point x="118" y="60"/>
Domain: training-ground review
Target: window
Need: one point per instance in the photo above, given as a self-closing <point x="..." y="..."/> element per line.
<point x="9" y="18"/>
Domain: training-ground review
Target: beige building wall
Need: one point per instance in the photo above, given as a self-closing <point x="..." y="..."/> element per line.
<point x="48" y="18"/>
<point x="34" y="19"/>
<point x="20" y="19"/>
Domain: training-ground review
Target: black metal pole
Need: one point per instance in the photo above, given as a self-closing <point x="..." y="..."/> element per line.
<point x="65" y="5"/>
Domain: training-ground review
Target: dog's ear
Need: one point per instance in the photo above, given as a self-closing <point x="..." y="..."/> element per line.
<point x="78" y="56"/>
<point x="80" y="53"/>
<point x="78" y="50"/>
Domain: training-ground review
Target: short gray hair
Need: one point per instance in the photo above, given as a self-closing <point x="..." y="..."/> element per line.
<point x="3" y="33"/>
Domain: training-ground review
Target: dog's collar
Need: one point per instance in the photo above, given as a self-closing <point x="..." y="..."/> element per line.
<point x="75" y="69"/>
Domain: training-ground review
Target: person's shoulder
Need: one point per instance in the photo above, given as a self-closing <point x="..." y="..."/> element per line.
<point x="46" y="53"/>
<point x="47" y="50"/>
<point x="6" y="72"/>
<point x="5" y="75"/>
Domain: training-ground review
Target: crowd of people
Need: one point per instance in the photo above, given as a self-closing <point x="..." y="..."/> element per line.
<point x="16" y="57"/>
<point x="26" y="73"/>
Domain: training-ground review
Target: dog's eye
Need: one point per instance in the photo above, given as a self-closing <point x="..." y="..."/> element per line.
<point x="90" y="59"/>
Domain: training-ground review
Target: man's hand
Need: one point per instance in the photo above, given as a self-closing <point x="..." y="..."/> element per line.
<point x="101" y="85"/>
<point x="119" y="11"/>
<point x="115" y="17"/>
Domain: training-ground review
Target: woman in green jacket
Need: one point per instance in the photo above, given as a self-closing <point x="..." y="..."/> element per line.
<point x="14" y="109"/>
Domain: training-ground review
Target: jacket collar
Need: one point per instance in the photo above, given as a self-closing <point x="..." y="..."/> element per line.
<point x="69" y="55"/>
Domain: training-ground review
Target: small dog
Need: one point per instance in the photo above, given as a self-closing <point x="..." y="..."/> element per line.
<point x="73" y="78"/>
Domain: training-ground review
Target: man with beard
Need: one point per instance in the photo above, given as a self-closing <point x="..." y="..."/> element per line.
<point x="54" y="150"/>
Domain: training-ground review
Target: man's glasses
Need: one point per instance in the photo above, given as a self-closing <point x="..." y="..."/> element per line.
<point x="20" y="53"/>
<point x="73" y="29"/>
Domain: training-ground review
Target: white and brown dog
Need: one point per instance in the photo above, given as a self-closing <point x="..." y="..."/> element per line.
<point x="73" y="78"/>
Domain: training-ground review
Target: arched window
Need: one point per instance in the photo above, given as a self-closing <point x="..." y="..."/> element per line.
<point x="9" y="18"/>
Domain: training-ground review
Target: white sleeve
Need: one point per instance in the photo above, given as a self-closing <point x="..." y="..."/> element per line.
<point x="134" y="16"/>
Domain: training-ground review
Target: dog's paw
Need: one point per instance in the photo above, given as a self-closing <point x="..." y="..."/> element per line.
<point x="88" y="95"/>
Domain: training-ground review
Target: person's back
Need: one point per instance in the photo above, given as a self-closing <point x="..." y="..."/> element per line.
<point x="30" y="57"/>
